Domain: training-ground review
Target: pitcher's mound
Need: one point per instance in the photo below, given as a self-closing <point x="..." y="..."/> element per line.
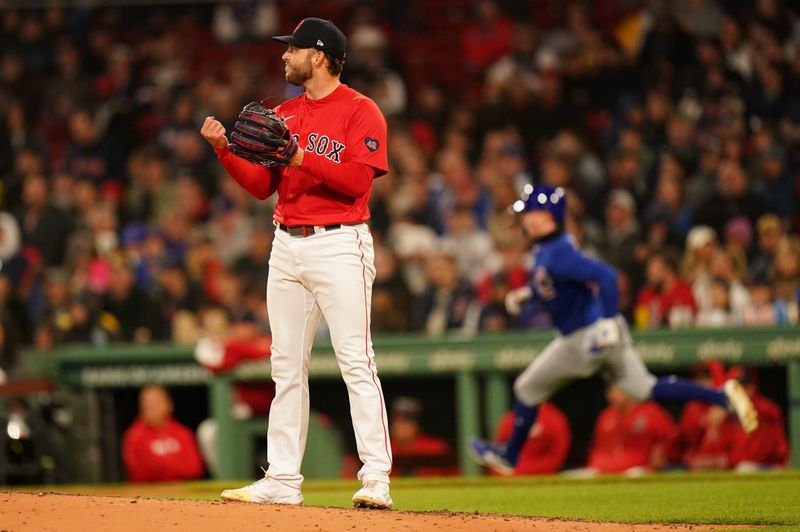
<point x="74" y="513"/>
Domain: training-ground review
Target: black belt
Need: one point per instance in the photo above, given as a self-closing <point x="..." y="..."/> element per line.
<point x="307" y="230"/>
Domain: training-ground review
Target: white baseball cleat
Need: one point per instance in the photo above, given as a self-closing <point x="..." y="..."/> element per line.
<point x="374" y="494"/>
<point x="265" y="491"/>
<point x="741" y="404"/>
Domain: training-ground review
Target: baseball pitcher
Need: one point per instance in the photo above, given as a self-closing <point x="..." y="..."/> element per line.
<point x="581" y="295"/>
<point x="320" y="151"/>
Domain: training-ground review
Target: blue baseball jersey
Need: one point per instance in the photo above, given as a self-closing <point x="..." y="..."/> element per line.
<point x="575" y="289"/>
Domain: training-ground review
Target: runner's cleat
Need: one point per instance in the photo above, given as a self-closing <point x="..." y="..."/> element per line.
<point x="739" y="402"/>
<point x="490" y="455"/>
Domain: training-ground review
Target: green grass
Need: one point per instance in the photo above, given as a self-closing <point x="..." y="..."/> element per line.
<point x="770" y="498"/>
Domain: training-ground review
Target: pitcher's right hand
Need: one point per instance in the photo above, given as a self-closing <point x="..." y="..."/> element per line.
<point x="214" y="133"/>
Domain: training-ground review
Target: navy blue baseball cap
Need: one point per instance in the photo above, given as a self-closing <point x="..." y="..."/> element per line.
<point x="317" y="33"/>
<point x="542" y="198"/>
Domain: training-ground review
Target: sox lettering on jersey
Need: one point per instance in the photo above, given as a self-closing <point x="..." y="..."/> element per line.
<point x="319" y="145"/>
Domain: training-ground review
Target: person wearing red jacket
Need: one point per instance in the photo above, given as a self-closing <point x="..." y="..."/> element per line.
<point x="703" y="433"/>
<point x="704" y="436"/>
<point x="767" y="446"/>
<point x="415" y="452"/>
<point x="630" y="437"/>
<point x="666" y="298"/>
<point x="548" y="441"/>
<point x="156" y="448"/>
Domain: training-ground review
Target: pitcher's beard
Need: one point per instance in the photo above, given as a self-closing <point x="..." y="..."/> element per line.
<point x="298" y="76"/>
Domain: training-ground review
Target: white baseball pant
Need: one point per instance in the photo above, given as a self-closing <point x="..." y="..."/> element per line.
<point x="570" y="357"/>
<point x="327" y="274"/>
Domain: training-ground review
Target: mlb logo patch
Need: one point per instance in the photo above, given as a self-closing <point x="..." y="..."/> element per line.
<point x="372" y="144"/>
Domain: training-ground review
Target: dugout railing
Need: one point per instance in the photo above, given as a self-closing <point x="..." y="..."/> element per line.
<point x="480" y="367"/>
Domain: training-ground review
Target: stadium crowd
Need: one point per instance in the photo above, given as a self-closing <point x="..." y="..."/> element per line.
<point x="674" y="126"/>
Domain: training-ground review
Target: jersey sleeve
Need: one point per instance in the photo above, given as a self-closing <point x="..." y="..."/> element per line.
<point x="575" y="266"/>
<point x="366" y="137"/>
<point x="261" y="182"/>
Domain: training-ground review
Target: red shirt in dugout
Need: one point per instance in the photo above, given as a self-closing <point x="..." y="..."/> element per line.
<point x="626" y="439"/>
<point x="547" y="446"/>
<point x="165" y="453"/>
<point x="344" y="139"/>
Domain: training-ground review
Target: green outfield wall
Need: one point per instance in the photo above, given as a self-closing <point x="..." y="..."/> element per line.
<point x="486" y="359"/>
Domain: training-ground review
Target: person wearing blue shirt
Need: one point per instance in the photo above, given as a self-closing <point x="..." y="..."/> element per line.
<point x="581" y="295"/>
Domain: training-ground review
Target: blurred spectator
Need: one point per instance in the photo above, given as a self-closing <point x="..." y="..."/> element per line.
<point x="665" y="298"/>
<point x="585" y="166"/>
<point x="761" y="310"/>
<point x="64" y="319"/>
<point x="468" y="244"/>
<point x="581" y="224"/>
<point x="43" y="226"/>
<point x="670" y="200"/>
<point x="548" y="443"/>
<point x="89" y="156"/>
<point x="128" y="313"/>
<point x="786" y="275"/>
<point x="176" y="292"/>
<point x="519" y="65"/>
<point x="702" y="182"/>
<point x="26" y="161"/>
<point x="767" y="446"/>
<point x="627" y="298"/>
<point x="368" y="68"/>
<point x="156" y="447"/>
<point x="722" y="277"/>
<point x="454" y="186"/>
<point x="700" y="18"/>
<point x="486" y="37"/>
<point x="511" y="272"/>
<point x="701" y="246"/>
<point x="241" y="21"/>
<point x="622" y="232"/>
<point x="770" y="235"/>
<point x="230" y="297"/>
<point x="393" y="308"/>
<point x="733" y="196"/>
<point x="775" y="182"/>
<point x="738" y="239"/>
<point x="717" y="310"/>
<point x="494" y="315"/>
<point x="415" y="452"/>
<point x="230" y="230"/>
<point x="449" y="303"/>
<point x="150" y="193"/>
<point x="631" y="437"/>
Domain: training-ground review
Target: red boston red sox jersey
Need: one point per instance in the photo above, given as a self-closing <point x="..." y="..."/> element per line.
<point x="344" y="139"/>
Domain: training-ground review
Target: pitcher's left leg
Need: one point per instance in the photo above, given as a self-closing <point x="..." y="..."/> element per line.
<point x="342" y="286"/>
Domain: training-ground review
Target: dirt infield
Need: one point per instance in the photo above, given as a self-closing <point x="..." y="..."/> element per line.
<point x="23" y="512"/>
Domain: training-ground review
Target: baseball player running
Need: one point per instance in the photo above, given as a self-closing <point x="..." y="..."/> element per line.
<point x="322" y="256"/>
<point x="581" y="295"/>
